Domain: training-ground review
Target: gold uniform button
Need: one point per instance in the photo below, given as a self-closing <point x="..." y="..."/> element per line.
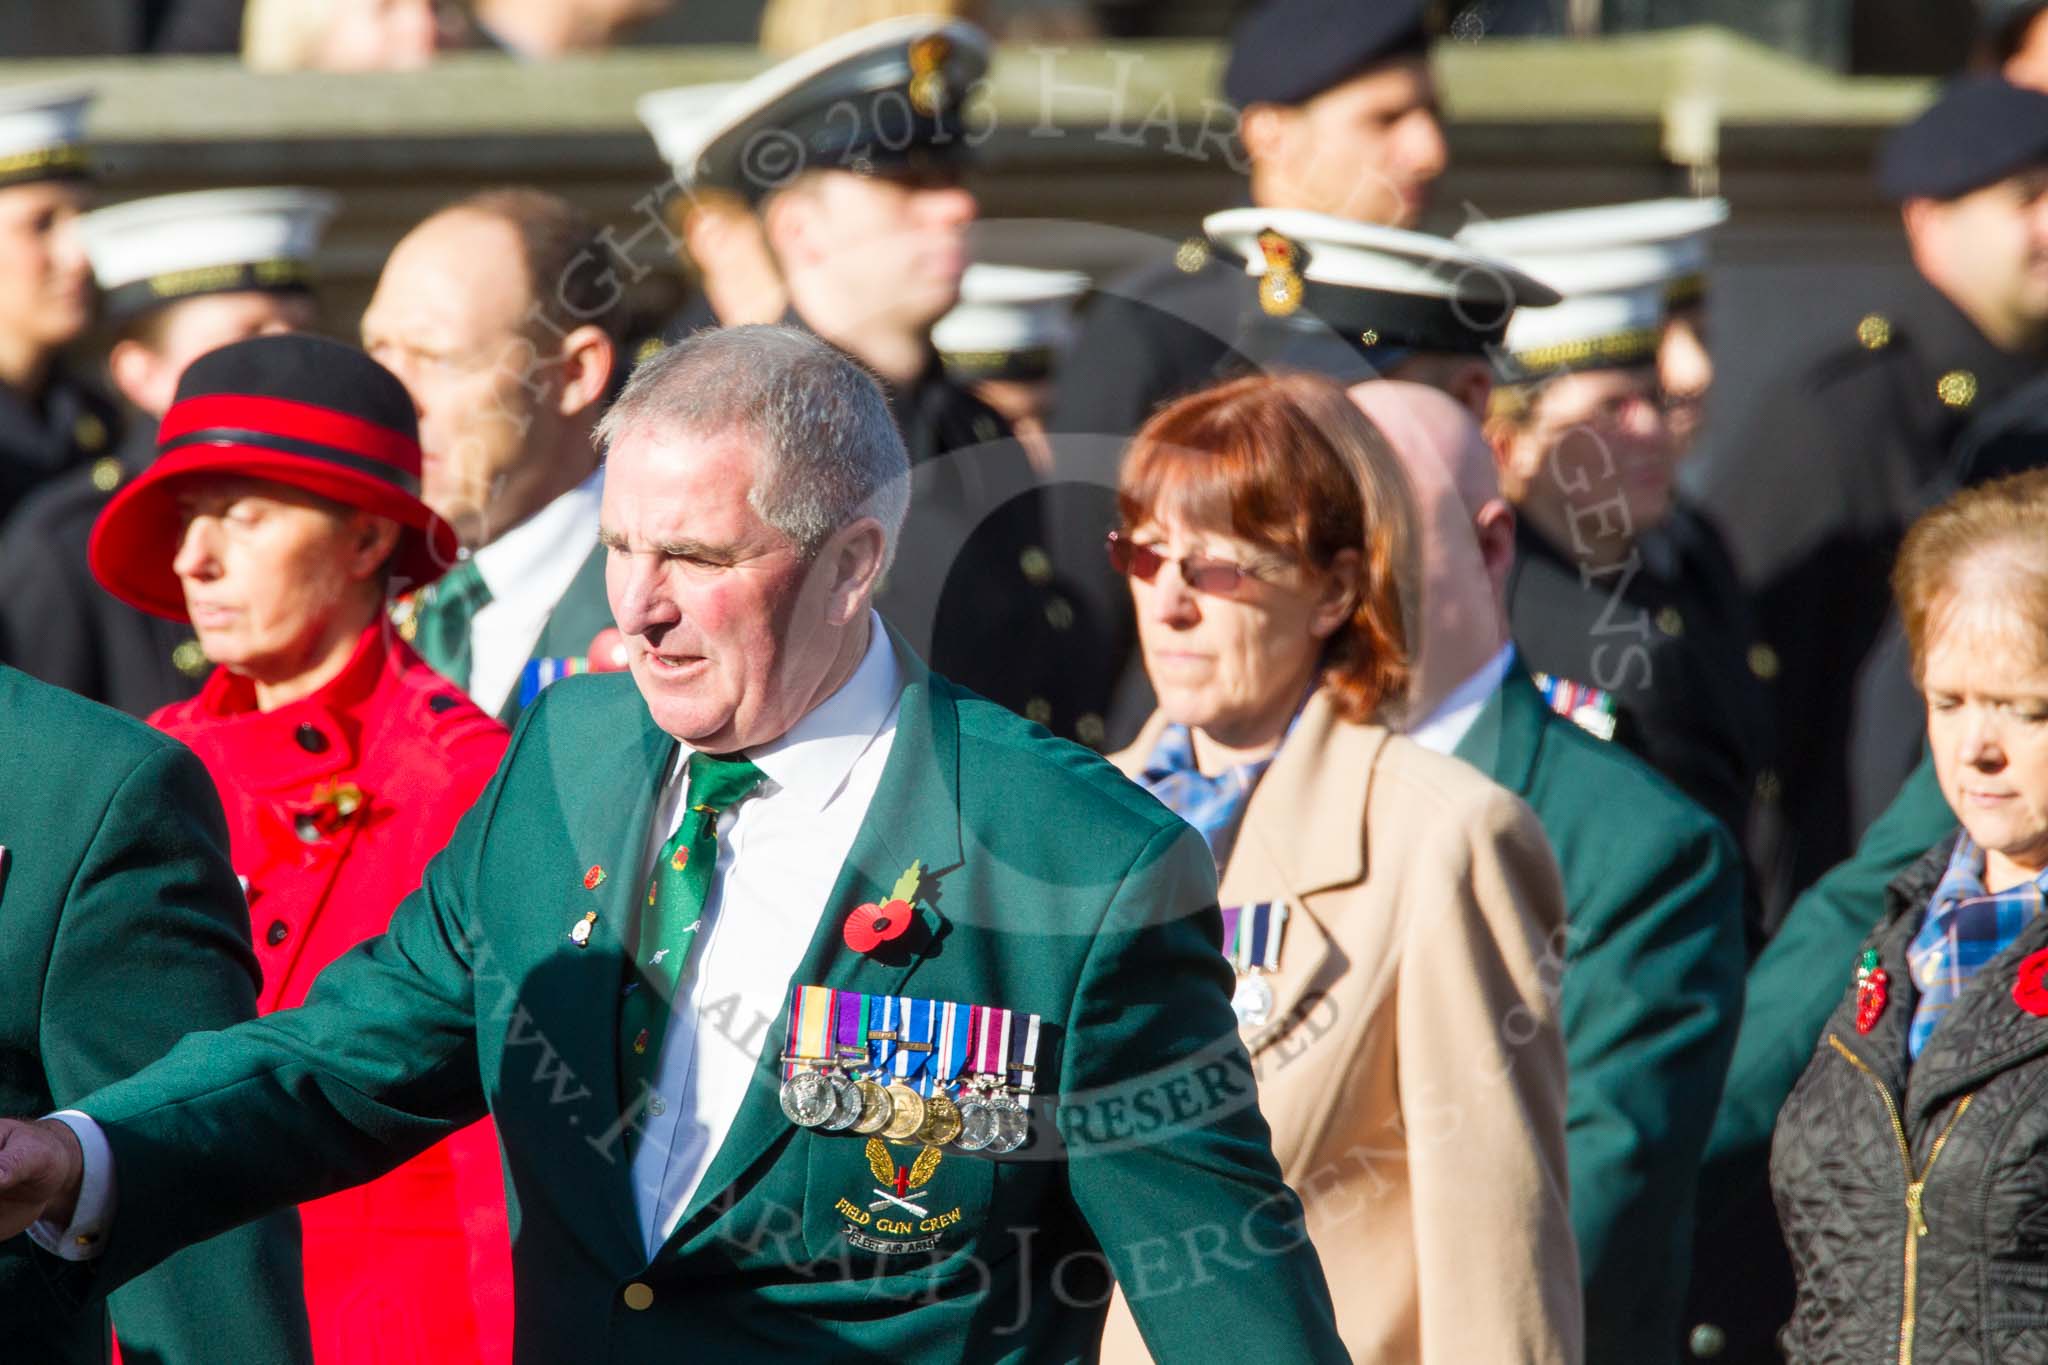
<point x="1763" y="661"/>
<point x="1091" y="730"/>
<point x="85" y="1239"/>
<point x="1059" y="614"/>
<point x="106" y="474"/>
<point x="189" y="658"/>
<point x="1708" y="1341"/>
<point x="89" y="431"/>
<point x="638" y="1297"/>
<point x="1874" y="332"/>
<point x="1036" y="564"/>
<point x="985" y="428"/>
<point x="1191" y="256"/>
<point x="1670" y="622"/>
<point x="1957" y="388"/>
<point x="650" y="348"/>
<point x="1370" y="336"/>
<point x="1038" y="710"/>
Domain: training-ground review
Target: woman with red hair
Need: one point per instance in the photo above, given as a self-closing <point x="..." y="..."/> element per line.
<point x="282" y="511"/>
<point x="1391" y="913"/>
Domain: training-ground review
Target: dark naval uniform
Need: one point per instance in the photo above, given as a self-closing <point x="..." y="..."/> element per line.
<point x="1667" y="636"/>
<point x="1835" y="464"/>
<point x="64" y="426"/>
<point x="972" y="587"/>
<point x="58" y="624"/>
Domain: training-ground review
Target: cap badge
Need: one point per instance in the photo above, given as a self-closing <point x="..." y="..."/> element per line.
<point x="927" y="77"/>
<point x="1280" y="286"/>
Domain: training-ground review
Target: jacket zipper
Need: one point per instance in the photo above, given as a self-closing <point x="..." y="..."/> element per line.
<point x="1916" y="1189"/>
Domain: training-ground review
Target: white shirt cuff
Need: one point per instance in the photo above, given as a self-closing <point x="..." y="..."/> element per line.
<point x="86" y="1236"/>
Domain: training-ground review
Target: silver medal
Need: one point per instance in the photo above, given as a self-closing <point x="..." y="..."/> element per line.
<point x="846" y="1111"/>
<point x="977" y="1125"/>
<point x="1011" y="1123"/>
<point x="808" y="1099"/>
<point x="1252" y="1001"/>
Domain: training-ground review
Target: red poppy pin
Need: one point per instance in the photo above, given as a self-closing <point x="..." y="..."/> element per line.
<point x="2030" y="990"/>
<point x="872" y="925"/>
<point x="1873" y="988"/>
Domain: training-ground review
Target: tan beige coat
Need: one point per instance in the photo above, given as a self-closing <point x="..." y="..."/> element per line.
<point x="1413" y="1072"/>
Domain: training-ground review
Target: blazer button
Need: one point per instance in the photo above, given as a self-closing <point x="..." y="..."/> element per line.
<point x="1707" y="1341"/>
<point x="310" y="739"/>
<point x="639" y="1297"/>
<point x="277" y="933"/>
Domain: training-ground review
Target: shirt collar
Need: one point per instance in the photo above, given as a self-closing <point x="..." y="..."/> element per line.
<point x="1441" y="731"/>
<point x="559" y="532"/>
<point x="812" y="761"/>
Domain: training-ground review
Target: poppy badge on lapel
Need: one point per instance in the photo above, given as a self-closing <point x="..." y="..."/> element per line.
<point x="2030" y="990"/>
<point x="1873" y="988"/>
<point x="875" y="923"/>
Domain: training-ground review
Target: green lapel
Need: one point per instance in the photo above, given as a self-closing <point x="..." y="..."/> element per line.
<point x="582" y="612"/>
<point x="915" y="815"/>
<point x="1507" y="732"/>
<point x="590" y="990"/>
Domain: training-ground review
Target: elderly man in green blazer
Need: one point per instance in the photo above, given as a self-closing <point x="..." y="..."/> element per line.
<point x="123" y="932"/>
<point x="1651" y="965"/>
<point x="826" y="1010"/>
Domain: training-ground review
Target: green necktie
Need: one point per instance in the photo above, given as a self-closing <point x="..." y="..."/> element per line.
<point x="675" y="904"/>
<point x="446" y="609"/>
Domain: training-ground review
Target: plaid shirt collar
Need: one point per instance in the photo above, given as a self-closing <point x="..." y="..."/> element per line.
<point x="1965" y="928"/>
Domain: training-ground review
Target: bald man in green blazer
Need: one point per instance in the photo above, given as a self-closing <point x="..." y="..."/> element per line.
<point x="121" y="931"/>
<point x="663" y="1198"/>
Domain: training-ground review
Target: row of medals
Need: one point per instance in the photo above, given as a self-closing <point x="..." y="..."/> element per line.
<point x="986" y="1117"/>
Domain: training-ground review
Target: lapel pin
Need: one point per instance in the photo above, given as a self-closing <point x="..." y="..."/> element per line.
<point x="871" y="925"/>
<point x="1873" y="988"/>
<point x="579" y="933"/>
<point x="593" y="878"/>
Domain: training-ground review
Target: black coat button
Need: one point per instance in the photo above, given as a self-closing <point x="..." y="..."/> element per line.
<point x="278" y="932"/>
<point x="442" y="702"/>
<point x="310" y="739"/>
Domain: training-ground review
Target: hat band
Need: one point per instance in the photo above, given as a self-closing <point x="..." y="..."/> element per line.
<point x="1617" y="350"/>
<point x="1020" y="363"/>
<point x="125" y="301"/>
<point x="67" y="161"/>
<point x="291" y="445"/>
<point x="1371" y="320"/>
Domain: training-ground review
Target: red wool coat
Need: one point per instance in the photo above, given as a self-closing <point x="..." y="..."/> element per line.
<point x="335" y="803"/>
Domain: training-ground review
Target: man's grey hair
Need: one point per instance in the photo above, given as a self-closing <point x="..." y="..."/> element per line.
<point x="830" y="451"/>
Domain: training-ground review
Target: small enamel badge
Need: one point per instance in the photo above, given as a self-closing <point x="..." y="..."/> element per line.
<point x="1873" y="988"/>
<point x="579" y="932"/>
<point x="594" y="878"/>
<point x="872" y="925"/>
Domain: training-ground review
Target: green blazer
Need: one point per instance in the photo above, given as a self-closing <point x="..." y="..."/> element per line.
<point x="1061" y="889"/>
<point x="121" y="931"/>
<point x="1651" y="993"/>
<point x="583" y="611"/>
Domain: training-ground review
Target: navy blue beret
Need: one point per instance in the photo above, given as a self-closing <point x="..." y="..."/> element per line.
<point x="1290" y="51"/>
<point x="1981" y="130"/>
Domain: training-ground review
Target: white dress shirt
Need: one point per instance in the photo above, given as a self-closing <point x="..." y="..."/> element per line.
<point x="779" y="856"/>
<point x="792" y="836"/>
<point x="527" y="570"/>
<point x="1443" y="729"/>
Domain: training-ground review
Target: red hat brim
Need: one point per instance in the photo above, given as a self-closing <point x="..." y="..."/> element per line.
<point x="136" y="537"/>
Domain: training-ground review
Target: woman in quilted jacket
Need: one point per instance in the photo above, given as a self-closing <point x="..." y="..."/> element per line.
<point x="1910" y="1165"/>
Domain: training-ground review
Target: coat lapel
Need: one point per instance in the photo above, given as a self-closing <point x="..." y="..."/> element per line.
<point x="915" y="815"/>
<point x="1303" y="832"/>
<point x="589" y="988"/>
<point x="1507" y="732"/>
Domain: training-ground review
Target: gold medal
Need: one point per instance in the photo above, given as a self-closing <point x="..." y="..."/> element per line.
<point x="941" y="1122"/>
<point x="876" y="1108"/>
<point x="908" y="1115"/>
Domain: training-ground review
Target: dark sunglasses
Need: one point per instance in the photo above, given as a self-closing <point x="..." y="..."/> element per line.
<point x="1215" y="577"/>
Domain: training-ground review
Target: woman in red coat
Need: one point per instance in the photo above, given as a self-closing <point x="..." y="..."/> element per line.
<point x="280" y="514"/>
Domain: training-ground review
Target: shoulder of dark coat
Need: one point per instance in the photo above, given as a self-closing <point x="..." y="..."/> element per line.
<point x="47" y="729"/>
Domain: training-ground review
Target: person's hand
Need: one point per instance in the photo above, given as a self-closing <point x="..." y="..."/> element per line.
<point x="41" y="1168"/>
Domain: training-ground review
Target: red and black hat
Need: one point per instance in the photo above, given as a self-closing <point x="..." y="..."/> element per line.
<point x="294" y="409"/>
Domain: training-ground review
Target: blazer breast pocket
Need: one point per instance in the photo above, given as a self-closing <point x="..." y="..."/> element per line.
<point x="887" y="1207"/>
